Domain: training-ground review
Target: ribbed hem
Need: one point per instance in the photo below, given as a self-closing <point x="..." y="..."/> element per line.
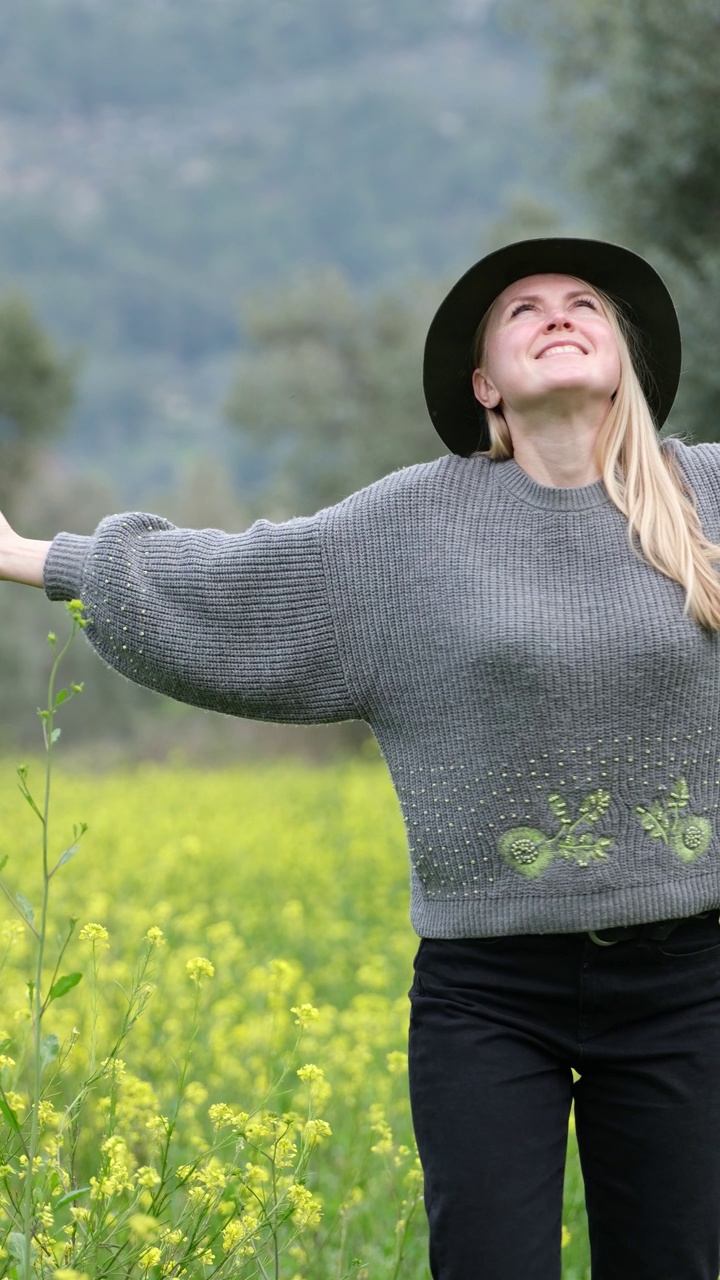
<point x="516" y="481"/>
<point x="631" y="904"/>
<point x="64" y="565"/>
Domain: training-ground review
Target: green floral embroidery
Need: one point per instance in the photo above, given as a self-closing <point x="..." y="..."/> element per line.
<point x="689" y="836"/>
<point x="530" y="851"/>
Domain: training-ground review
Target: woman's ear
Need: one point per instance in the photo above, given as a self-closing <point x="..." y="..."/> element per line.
<point x="485" y="391"/>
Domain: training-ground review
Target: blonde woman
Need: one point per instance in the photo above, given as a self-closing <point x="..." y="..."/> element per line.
<point x="529" y="624"/>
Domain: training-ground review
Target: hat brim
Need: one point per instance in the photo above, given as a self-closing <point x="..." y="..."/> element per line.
<point x="629" y="280"/>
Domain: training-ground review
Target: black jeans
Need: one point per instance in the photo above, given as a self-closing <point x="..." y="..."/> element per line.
<point x="495" y="1027"/>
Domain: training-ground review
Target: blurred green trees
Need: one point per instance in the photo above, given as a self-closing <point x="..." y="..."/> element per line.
<point x="37" y="387"/>
<point x="635" y="87"/>
<point x="332" y="385"/>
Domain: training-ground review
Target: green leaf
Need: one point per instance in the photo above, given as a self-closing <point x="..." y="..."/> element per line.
<point x="654" y="828"/>
<point x="9" y="1115"/>
<point x="594" y="805"/>
<point x="63" y="985"/>
<point x="63" y="694"/>
<point x="25" y="907"/>
<point x="559" y="808"/>
<point x="49" y="1047"/>
<point x="68" y="1199"/>
<point x="67" y="855"/>
<point x="3" y="861"/>
<point x="680" y="793"/>
<point x="55" y="735"/>
<point x="16" y="1246"/>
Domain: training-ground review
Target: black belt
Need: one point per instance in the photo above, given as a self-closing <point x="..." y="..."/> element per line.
<point x="658" y="930"/>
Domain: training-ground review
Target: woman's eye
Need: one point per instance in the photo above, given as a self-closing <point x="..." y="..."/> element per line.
<point x="521" y="306"/>
<point x="587" y="302"/>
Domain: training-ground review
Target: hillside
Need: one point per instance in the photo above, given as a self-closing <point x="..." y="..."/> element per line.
<point x="158" y="162"/>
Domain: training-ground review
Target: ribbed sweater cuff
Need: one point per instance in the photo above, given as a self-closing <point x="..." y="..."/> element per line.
<point x="64" y="565"/>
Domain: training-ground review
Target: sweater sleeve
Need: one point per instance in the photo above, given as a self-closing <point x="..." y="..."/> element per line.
<point x="235" y="623"/>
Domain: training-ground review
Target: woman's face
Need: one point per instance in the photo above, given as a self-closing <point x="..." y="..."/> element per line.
<point x="548" y="344"/>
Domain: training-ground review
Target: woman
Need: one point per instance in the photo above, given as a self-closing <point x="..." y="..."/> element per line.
<point x="545" y="693"/>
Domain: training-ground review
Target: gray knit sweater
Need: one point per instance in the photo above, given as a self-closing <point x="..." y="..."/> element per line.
<point x="549" y="717"/>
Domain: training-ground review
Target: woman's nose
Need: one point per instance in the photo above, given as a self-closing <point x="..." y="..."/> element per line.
<point x="559" y="320"/>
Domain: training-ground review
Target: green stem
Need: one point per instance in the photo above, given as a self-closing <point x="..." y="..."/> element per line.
<point x="181" y="1090"/>
<point x="37" y="1002"/>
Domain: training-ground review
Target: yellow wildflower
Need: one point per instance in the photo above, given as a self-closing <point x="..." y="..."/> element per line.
<point x="304" y="1014"/>
<point x="396" y="1062"/>
<point x="12" y="931"/>
<point x="199" y="967"/>
<point x="76" y="609"/>
<point x="143" y="1226"/>
<point x="45" y="1216"/>
<point x="95" y="933"/>
<point x="307" y="1210"/>
<point x="47" y="1115"/>
<point x="195" y="1093"/>
<point x="354" y="1197"/>
<point x="380" y="1126"/>
<point x="311" y="1073"/>
<point x="315" y="1130"/>
<point x="150" y="1257"/>
<point x="220" y="1113"/>
<point x="255" y="1174"/>
<point x="232" y="1234"/>
<point x="158" y="1126"/>
<point x="155" y="935"/>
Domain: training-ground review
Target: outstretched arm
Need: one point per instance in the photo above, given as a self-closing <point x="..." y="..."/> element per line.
<point x="21" y="559"/>
<point x="236" y="623"/>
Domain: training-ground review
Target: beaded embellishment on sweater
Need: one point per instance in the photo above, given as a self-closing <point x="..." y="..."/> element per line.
<point x="530" y="851"/>
<point x="687" y="835"/>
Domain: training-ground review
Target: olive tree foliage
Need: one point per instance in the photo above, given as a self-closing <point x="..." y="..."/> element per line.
<point x="331" y="387"/>
<point x="635" y="86"/>
<point x="37" y="388"/>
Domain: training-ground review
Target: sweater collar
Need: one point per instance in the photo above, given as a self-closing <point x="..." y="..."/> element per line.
<point x="512" y="477"/>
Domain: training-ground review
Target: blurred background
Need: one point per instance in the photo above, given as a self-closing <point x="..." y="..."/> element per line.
<point x="224" y="228"/>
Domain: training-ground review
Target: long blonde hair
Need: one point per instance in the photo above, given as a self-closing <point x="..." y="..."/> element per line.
<point x="642" y="479"/>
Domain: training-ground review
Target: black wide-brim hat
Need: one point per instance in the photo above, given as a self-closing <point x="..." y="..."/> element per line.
<point x="630" y="281"/>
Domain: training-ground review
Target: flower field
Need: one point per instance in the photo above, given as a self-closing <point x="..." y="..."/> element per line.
<point x="227" y="1093"/>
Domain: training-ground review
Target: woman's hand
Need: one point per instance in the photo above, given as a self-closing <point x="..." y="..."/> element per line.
<point x="21" y="559"/>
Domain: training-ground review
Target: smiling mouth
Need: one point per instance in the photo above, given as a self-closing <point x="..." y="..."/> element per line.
<point x="562" y="349"/>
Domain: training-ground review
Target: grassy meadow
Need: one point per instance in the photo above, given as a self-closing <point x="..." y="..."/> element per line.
<point x="249" y="924"/>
